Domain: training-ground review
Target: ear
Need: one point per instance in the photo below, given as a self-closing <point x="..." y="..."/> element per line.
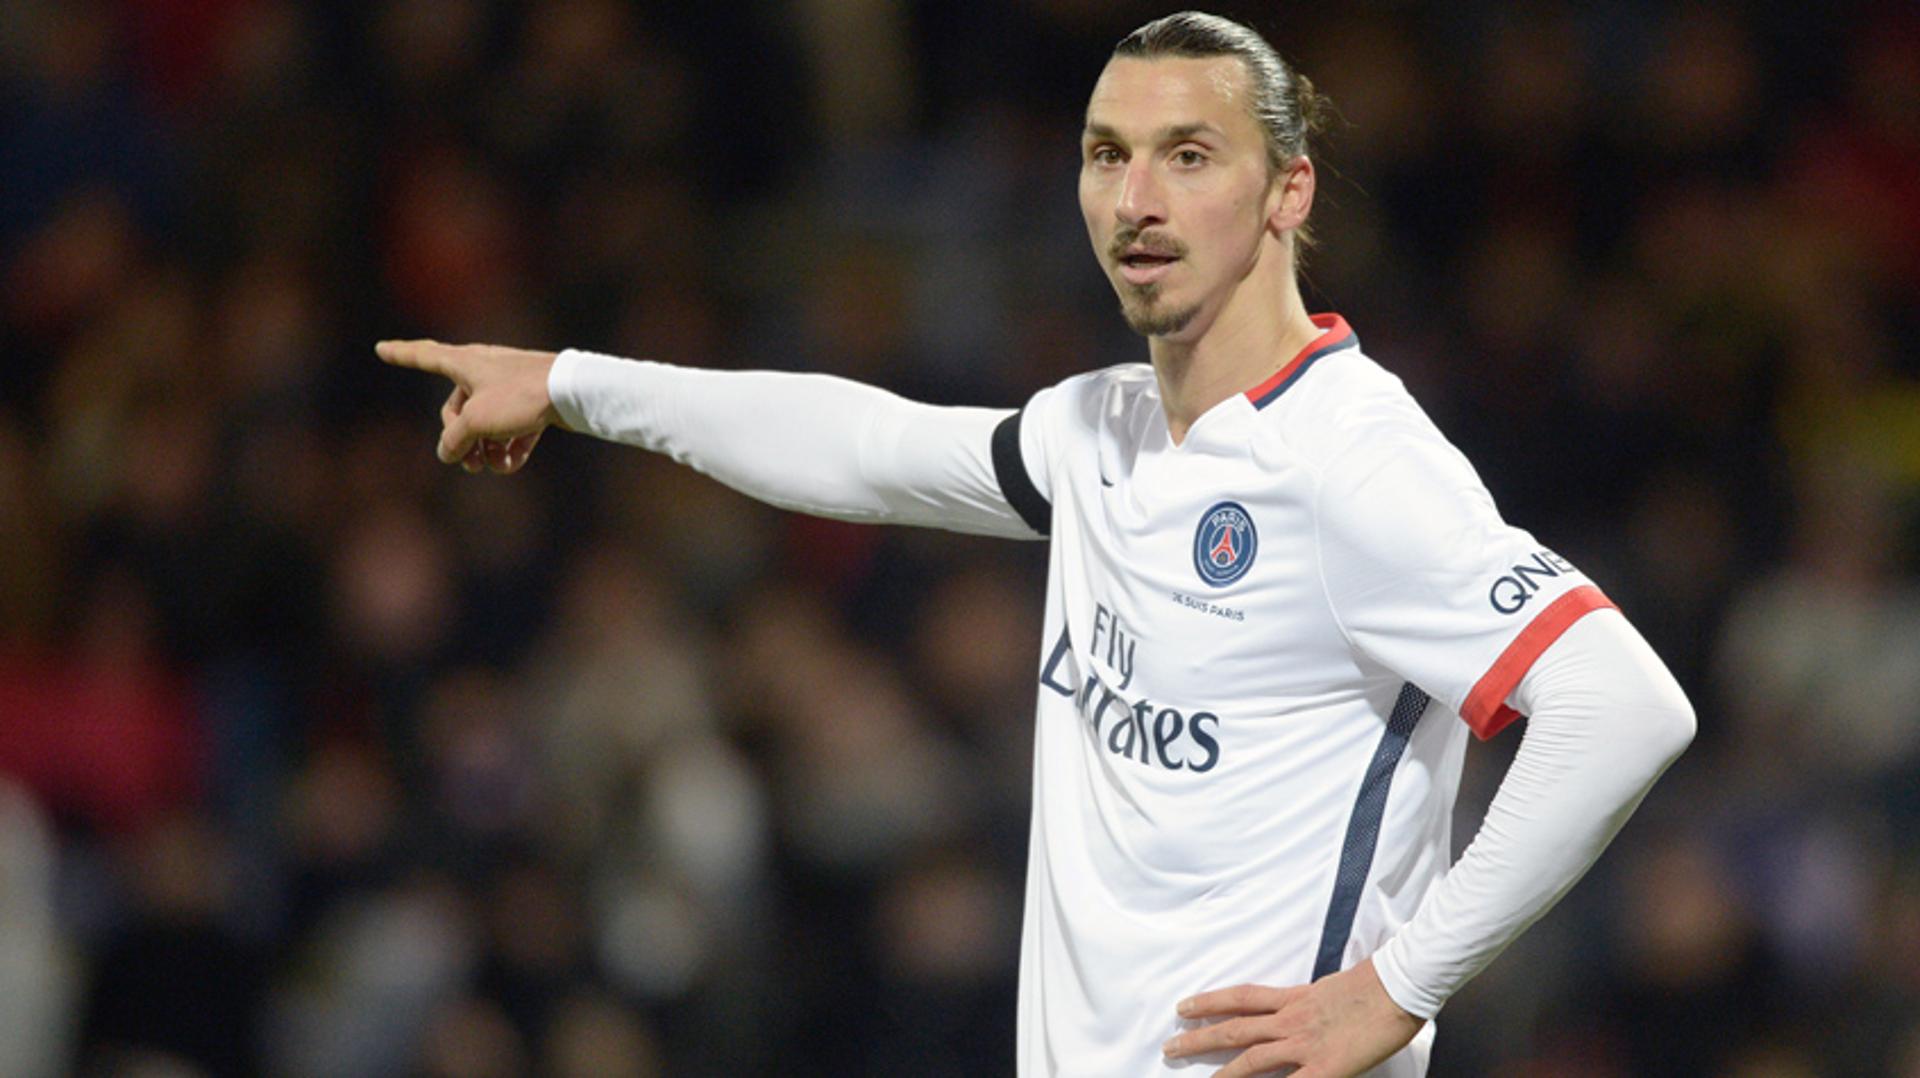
<point x="1290" y="196"/>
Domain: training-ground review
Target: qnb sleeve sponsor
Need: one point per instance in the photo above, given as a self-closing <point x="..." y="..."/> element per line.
<point x="1427" y="579"/>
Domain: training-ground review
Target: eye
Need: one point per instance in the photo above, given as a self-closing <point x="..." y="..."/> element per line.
<point x="1105" y="154"/>
<point x="1189" y="158"/>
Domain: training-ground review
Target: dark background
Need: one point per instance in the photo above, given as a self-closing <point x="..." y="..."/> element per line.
<point x="319" y="758"/>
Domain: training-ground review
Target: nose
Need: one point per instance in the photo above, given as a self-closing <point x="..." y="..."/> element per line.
<point x="1140" y="204"/>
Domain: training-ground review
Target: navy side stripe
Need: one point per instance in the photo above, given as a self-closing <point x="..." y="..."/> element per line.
<point x="1363" y="830"/>
<point x="1011" y="470"/>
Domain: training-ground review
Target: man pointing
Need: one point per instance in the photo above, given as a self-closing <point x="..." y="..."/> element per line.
<point x="1239" y="852"/>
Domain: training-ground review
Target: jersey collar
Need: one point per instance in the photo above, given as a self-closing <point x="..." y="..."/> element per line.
<point x="1335" y="334"/>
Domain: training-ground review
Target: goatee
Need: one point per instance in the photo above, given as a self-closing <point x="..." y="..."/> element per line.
<point x="1145" y="316"/>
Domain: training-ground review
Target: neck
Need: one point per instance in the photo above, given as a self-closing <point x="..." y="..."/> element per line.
<point x="1262" y="324"/>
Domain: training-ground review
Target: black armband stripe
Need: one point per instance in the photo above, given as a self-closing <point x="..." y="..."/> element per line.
<point x="1011" y="470"/>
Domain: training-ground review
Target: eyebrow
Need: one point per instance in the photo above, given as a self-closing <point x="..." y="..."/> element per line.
<point x="1170" y="133"/>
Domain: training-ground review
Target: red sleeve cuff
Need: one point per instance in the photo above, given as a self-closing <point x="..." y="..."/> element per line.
<point x="1486" y="710"/>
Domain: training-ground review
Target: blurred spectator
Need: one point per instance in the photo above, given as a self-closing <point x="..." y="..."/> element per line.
<point x="392" y="588"/>
<point x="36" y="975"/>
<point x="105" y="733"/>
<point x="1689" y="960"/>
<point x="454" y="248"/>
<point x="1868" y="147"/>
<point x="365" y="990"/>
<point x="948" y="936"/>
<point x="1820" y="661"/>
<point x="630" y="744"/>
<point x="341" y="833"/>
<point x="860" y="779"/>
<point x="30" y="534"/>
<point x="537" y="943"/>
<point x="593" y="1036"/>
<point x="471" y="1038"/>
<point x="175" y="979"/>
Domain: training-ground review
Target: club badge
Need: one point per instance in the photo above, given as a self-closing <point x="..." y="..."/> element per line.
<point x="1224" y="544"/>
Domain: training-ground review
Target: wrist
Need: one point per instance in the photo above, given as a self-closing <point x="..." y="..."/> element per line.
<point x="564" y="407"/>
<point x="1381" y="1001"/>
<point x="1396" y="986"/>
<point x="550" y="415"/>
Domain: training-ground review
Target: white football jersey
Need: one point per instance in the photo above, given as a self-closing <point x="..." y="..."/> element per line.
<point x="1258" y="647"/>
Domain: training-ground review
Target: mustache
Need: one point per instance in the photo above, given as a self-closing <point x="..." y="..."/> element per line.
<point x="1149" y="243"/>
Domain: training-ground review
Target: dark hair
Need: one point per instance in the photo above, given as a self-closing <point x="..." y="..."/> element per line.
<point x="1287" y="106"/>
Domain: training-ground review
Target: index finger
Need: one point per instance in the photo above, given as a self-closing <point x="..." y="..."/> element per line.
<point x="430" y="356"/>
<point x="1240" y="999"/>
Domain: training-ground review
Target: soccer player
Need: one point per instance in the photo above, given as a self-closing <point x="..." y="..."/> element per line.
<point x="1277" y="602"/>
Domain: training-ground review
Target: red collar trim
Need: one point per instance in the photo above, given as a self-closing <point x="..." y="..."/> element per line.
<point x="1335" y="334"/>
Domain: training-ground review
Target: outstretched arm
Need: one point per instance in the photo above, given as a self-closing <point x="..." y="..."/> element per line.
<point x="813" y="443"/>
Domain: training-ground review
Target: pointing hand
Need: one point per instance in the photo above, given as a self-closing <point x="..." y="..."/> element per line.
<point x="499" y="405"/>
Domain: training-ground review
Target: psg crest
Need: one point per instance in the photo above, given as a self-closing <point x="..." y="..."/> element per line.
<point x="1224" y="544"/>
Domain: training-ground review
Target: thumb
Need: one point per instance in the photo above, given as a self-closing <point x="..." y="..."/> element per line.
<point x="457" y="439"/>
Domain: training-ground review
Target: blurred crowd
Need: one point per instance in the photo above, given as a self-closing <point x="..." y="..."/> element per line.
<point x="318" y="758"/>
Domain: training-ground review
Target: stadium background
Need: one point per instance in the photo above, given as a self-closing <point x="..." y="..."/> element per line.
<point x="319" y="758"/>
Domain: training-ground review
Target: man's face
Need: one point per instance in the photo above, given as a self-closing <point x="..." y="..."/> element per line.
<point x="1174" y="183"/>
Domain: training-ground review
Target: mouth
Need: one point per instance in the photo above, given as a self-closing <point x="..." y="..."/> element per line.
<point x="1141" y="267"/>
